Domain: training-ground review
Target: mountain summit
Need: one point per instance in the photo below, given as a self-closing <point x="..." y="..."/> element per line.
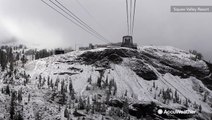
<point x="166" y="76"/>
<point x="151" y="82"/>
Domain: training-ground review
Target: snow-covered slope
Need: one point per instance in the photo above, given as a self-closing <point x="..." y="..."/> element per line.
<point x="141" y="75"/>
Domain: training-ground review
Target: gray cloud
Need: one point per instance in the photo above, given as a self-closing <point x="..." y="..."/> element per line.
<point x="32" y="22"/>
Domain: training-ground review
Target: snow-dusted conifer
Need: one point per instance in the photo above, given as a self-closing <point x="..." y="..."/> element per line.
<point x="66" y="112"/>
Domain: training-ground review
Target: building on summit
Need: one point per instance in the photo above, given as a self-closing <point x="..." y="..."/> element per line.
<point x="127" y="41"/>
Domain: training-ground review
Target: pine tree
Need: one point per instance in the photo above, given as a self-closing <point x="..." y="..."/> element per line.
<point x="70" y="86"/>
<point x="99" y="82"/>
<point x="3" y="60"/>
<point x="12" y="106"/>
<point x="126" y="107"/>
<point x="186" y="102"/>
<point x="66" y="88"/>
<point x="150" y="90"/>
<point x="11" y="66"/>
<point x="15" y="71"/>
<point x="176" y="96"/>
<point x="17" y="56"/>
<point x="19" y="117"/>
<point x="23" y="51"/>
<point x="110" y="87"/>
<point x="154" y="84"/>
<point x="159" y="93"/>
<point x="48" y="81"/>
<point x="72" y="95"/>
<point x="81" y="104"/>
<point x="125" y="94"/>
<point x="51" y="84"/>
<point x="89" y="80"/>
<point x="205" y="96"/>
<point x="155" y="96"/>
<point x="115" y="88"/>
<point x="59" y="108"/>
<point x="63" y="98"/>
<point x="92" y="109"/>
<point x="44" y="81"/>
<point x="66" y="112"/>
<point x="39" y="80"/>
<point x="8" y="89"/>
<point x="62" y="86"/>
<point x="20" y="95"/>
<point x="71" y="90"/>
<point x="29" y="97"/>
<point x="56" y="82"/>
<point x="107" y="97"/>
<point x="88" y="105"/>
<point x="10" y="55"/>
<point x="106" y="81"/>
<point x="23" y="60"/>
<point x="88" y="100"/>
<point x="2" y="90"/>
<point x="200" y="108"/>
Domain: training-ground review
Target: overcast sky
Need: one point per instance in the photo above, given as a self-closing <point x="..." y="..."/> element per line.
<point x="33" y="23"/>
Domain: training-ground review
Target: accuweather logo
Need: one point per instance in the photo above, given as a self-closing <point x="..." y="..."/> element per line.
<point x="168" y="112"/>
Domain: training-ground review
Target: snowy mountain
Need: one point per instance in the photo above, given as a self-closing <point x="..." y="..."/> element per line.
<point x="142" y="82"/>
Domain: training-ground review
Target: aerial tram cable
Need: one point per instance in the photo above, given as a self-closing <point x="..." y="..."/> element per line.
<point x="68" y="18"/>
<point x="72" y="16"/>
<point x="130" y="10"/>
<point x="87" y="12"/>
<point x="127" y="11"/>
<point x="76" y="23"/>
<point x="133" y="22"/>
<point x="131" y="7"/>
<point x="79" y="20"/>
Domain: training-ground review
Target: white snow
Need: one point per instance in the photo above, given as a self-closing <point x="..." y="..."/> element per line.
<point x="125" y="78"/>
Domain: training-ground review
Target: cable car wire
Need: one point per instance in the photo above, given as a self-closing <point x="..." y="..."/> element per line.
<point x="80" y="20"/>
<point x="127" y="11"/>
<point x="74" y="22"/>
<point x="134" y="12"/>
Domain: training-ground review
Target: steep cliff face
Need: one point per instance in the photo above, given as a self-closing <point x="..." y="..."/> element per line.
<point x="163" y="59"/>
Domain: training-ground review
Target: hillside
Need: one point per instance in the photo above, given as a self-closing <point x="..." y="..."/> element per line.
<point x="117" y="79"/>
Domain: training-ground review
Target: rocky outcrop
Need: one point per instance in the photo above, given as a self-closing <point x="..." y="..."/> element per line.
<point x="175" y="62"/>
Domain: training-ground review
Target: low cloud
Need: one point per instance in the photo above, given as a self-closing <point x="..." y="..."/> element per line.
<point x="32" y="33"/>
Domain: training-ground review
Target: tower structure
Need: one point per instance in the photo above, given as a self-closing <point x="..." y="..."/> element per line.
<point x="127" y="41"/>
